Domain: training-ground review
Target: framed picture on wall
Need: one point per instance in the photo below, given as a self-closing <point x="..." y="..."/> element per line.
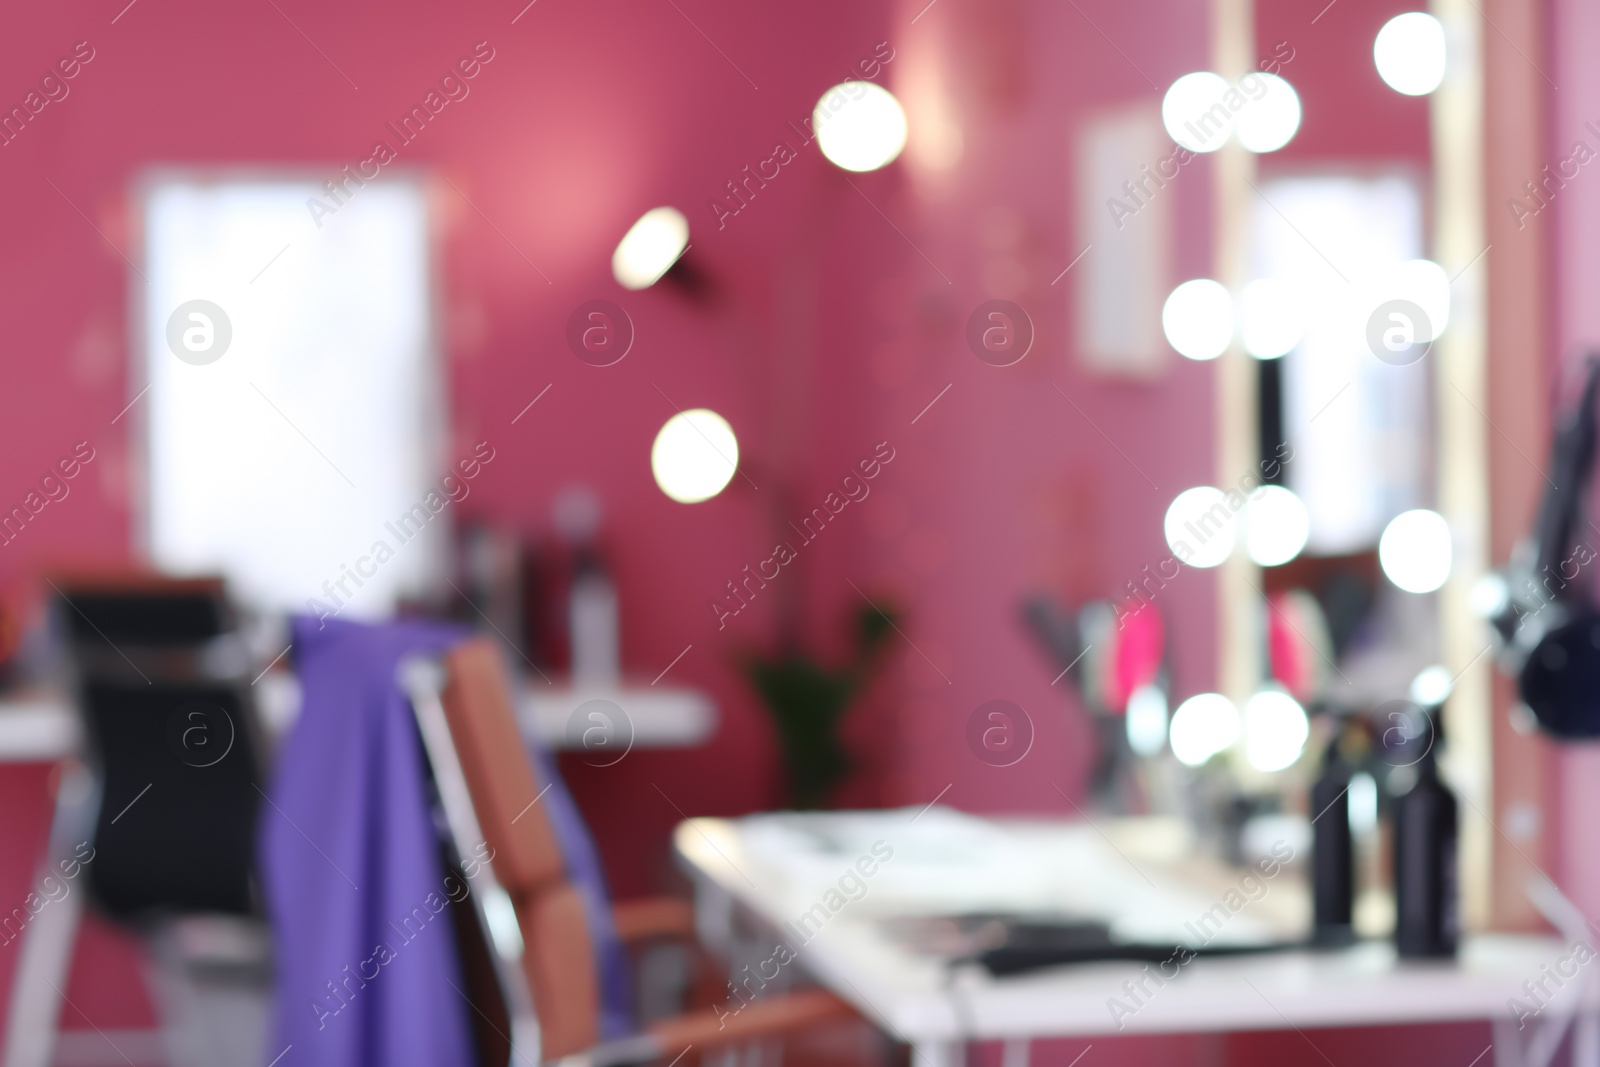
<point x="1123" y="213"/>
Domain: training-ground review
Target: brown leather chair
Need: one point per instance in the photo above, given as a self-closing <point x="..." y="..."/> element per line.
<point x="557" y="967"/>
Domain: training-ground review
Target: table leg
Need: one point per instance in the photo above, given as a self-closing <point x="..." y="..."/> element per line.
<point x="1016" y="1052"/>
<point x="1586" y="1041"/>
<point x="1507" y="1044"/>
<point x="939" y="1054"/>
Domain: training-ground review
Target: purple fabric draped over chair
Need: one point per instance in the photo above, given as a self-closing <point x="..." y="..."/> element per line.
<point x="368" y="972"/>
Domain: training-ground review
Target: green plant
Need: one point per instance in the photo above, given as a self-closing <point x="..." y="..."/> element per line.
<point x="808" y="701"/>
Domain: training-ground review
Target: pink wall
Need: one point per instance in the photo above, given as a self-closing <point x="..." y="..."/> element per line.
<point x="1009" y="488"/>
<point x="1575" y="31"/>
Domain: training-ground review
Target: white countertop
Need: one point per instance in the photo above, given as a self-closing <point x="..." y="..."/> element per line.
<point x="949" y="863"/>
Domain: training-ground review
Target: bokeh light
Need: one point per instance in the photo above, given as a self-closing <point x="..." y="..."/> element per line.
<point x="1410" y="53"/>
<point x="1425" y="284"/>
<point x="650" y="246"/>
<point x="1147" y="720"/>
<point x="1202" y="726"/>
<point x="1270" y="117"/>
<point x="695" y="456"/>
<point x="1431" y="687"/>
<point x="1200" y="527"/>
<point x="1194" y="114"/>
<point x="1272" y="318"/>
<point x="1198" y="319"/>
<point x="1276" y="526"/>
<point x="1275" y="730"/>
<point x="860" y="126"/>
<point x="1415" y="550"/>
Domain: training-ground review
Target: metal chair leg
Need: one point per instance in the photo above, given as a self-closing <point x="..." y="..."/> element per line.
<point x="37" y="989"/>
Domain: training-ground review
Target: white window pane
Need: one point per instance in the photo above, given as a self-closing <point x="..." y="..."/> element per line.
<point x="281" y="463"/>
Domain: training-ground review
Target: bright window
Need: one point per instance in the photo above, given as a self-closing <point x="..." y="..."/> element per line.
<point x="293" y="405"/>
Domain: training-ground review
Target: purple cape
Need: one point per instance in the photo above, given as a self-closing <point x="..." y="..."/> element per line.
<point x="367" y="968"/>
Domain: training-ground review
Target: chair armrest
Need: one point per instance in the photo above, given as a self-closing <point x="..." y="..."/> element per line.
<point x="653" y="917"/>
<point x="766" y="1017"/>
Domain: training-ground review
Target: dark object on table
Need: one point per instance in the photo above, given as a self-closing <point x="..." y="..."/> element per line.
<point x="1036" y="947"/>
<point x="1006" y="944"/>
<point x="1425" y="859"/>
<point x="1332" y="854"/>
<point x="808" y="702"/>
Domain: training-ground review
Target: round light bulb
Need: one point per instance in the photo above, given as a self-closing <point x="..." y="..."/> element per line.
<point x="1271" y="114"/>
<point x="1147" y="720"/>
<point x="695" y="456"/>
<point x="1202" y="726"/>
<point x="1410" y="53"/>
<point x="1194" y="113"/>
<point x="1414" y="550"/>
<point x="1275" y="730"/>
<point x="860" y="126"/>
<point x="1431" y="687"/>
<point x="1276" y="526"/>
<point x="1272" y="318"/>
<point x="1489" y="596"/>
<point x="1198" y="319"/>
<point x="653" y="244"/>
<point x="1200" y="527"/>
<point x="1425" y="284"/>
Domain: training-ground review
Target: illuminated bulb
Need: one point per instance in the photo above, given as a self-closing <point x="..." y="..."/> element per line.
<point x="1270" y="119"/>
<point x="695" y="456"/>
<point x="1276" y="526"/>
<point x="1199" y="526"/>
<point x="1194" y="114"/>
<point x="1490" y="596"/>
<point x="1198" y="319"/>
<point x="1275" y="730"/>
<point x="860" y="126"/>
<point x="1363" y="803"/>
<point x="1272" y="318"/>
<point x="1425" y="284"/>
<point x="1410" y="53"/>
<point x="1415" y="550"/>
<point x="653" y="244"/>
<point x="1431" y="687"/>
<point x="1147" y="720"/>
<point x="1202" y="726"/>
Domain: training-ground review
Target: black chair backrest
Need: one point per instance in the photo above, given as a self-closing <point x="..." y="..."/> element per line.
<point x="174" y="742"/>
<point x="176" y="828"/>
<point x="161" y="613"/>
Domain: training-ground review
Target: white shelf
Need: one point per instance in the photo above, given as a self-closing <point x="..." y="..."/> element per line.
<point x="40" y="727"/>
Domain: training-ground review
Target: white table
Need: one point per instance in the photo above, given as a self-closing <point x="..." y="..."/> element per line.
<point x="750" y="876"/>
<point x="41" y="727"/>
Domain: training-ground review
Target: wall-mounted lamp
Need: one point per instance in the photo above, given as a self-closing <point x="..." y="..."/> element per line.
<point x="650" y="248"/>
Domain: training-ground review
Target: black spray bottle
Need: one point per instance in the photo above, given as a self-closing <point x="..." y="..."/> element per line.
<point x="1427" y="916"/>
<point x="1332" y="851"/>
